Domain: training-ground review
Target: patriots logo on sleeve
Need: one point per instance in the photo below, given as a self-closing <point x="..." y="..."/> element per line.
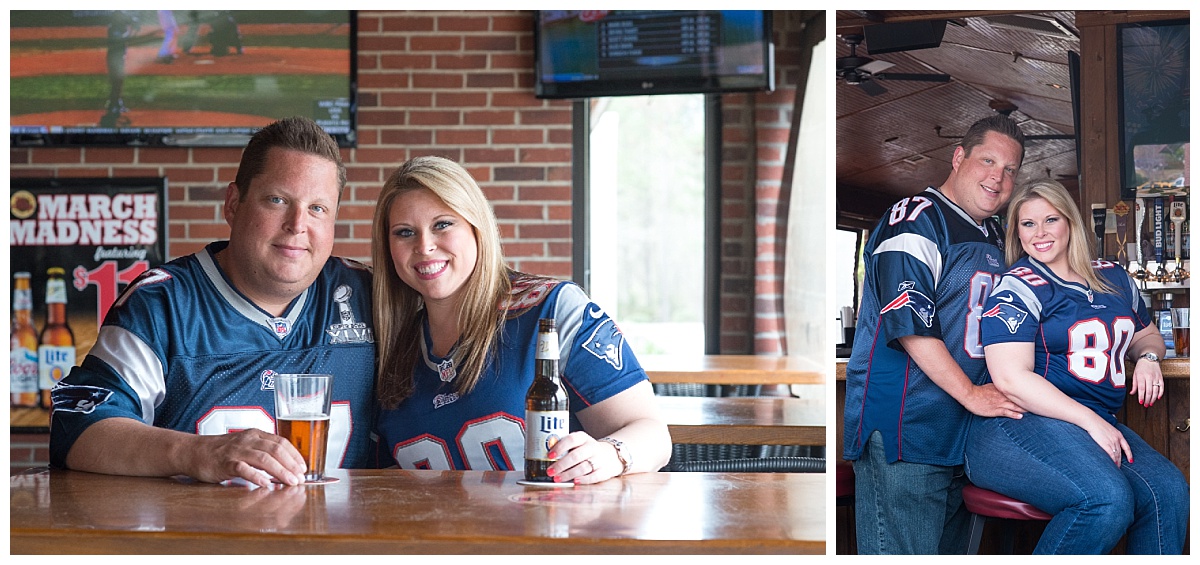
<point x="1010" y="314"/>
<point x="77" y="398"/>
<point x="919" y="303"/>
<point x="605" y="343"/>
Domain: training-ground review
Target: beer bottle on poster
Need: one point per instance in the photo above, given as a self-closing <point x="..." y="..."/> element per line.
<point x="23" y="346"/>
<point x="56" y="354"/>
<point x="546" y="413"/>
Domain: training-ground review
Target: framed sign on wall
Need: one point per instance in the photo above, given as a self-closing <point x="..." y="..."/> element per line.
<point x="74" y="245"/>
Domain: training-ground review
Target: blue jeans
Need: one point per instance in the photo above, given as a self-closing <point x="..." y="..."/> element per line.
<point x="1057" y="467"/>
<point x="906" y="508"/>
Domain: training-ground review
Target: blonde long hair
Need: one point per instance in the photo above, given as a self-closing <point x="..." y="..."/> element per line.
<point x="1079" y="249"/>
<point x="397" y="306"/>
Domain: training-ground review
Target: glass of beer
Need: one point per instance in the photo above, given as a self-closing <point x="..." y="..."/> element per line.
<point x="1181" y="329"/>
<point x="302" y="407"/>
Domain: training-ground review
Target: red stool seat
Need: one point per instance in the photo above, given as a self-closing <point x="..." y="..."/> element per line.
<point x="845" y="479"/>
<point x="984" y="504"/>
<point x="995" y="505"/>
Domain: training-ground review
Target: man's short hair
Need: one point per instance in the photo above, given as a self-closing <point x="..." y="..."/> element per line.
<point x="296" y="134"/>
<point x="998" y="123"/>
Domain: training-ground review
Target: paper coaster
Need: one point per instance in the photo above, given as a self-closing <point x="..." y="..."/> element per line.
<point x="542" y="484"/>
<point x="325" y="481"/>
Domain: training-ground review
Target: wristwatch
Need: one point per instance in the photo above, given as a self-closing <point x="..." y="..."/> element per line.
<point x="1149" y="356"/>
<point x="622" y="453"/>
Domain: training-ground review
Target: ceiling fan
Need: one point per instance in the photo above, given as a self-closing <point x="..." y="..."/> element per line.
<point x="864" y="72"/>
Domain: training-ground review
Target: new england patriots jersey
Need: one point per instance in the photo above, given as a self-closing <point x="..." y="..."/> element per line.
<point x="436" y="428"/>
<point x="182" y="349"/>
<point x="1079" y="336"/>
<point x="929" y="267"/>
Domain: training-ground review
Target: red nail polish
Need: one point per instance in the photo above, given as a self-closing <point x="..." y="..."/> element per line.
<point x="551" y="472"/>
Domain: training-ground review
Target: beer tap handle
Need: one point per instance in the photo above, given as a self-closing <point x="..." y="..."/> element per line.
<point x="1178" y="213"/>
<point x="1139" y="211"/>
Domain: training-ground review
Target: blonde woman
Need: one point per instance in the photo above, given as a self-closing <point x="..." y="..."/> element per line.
<point x="1056" y="331"/>
<point x="456" y="330"/>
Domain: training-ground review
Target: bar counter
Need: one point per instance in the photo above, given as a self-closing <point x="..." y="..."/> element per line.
<point x="1172" y="368"/>
<point x="430" y="512"/>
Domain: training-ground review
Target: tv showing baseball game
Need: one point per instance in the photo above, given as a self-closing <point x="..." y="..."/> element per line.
<point x="177" y="77"/>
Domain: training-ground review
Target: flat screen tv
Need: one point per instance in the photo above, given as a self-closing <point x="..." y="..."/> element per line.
<point x="589" y="53"/>
<point x="177" y="77"/>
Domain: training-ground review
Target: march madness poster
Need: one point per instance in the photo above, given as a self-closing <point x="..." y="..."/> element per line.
<point x="103" y="233"/>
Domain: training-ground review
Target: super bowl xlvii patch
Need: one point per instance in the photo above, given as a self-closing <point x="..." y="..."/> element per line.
<point x="919" y="303"/>
<point x="606" y="343"/>
<point x="1011" y="314"/>
<point x="347" y="330"/>
<point x="77" y="398"/>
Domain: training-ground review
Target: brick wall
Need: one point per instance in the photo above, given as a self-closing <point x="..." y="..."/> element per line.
<point x="460" y="85"/>
<point x="756" y="139"/>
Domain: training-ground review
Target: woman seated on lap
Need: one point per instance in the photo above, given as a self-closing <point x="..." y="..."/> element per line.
<point x="456" y="333"/>
<point x="1056" y="330"/>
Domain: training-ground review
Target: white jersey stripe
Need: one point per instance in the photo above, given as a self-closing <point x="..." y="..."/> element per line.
<point x="131" y="358"/>
<point x="919" y="247"/>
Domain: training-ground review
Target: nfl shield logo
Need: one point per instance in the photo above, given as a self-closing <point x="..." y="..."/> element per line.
<point x="446" y="370"/>
<point x="282" y="326"/>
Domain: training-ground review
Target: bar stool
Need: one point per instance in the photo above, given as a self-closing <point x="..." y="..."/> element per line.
<point x="847" y="541"/>
<point x="845" y="483"/>
<point x="984" y="504"/>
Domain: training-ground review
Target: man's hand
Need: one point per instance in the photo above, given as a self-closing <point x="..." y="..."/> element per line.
<point x="124" y="446"/>
<point x="934" y="359"/>
<point x="252" y="454"/>
<point x="987" y="400"/>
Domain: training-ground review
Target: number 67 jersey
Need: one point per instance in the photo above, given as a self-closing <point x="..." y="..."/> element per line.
<point x="929" y="268"/>
<point x="1079" y="336"/>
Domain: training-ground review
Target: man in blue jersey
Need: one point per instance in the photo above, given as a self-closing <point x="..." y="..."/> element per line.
<point x="180" y="380"/>
<point x="916" y="369"/>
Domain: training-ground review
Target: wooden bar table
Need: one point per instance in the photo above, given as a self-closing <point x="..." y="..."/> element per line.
<point x="394" y="511"/>
<point x="757" y="420"/>
<point x="732" y="369"/>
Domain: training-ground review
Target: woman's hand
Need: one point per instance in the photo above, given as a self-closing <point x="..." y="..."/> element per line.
<point x="1147" y="382"/>
<point x="1109" y="438"/>
<point x="582" y="459"/>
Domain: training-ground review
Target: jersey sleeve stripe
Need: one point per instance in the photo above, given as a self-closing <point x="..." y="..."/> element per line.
<point x="919" y="247"/>
<point x="1023" y="292"/>
<point x="135" y="362"/>
<point x="569" y="307"/>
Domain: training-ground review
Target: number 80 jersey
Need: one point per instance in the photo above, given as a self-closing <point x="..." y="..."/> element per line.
<point x="1080" y="336"/>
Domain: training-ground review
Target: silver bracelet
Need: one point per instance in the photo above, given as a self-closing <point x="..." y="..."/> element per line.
<point x="622" y="453"/>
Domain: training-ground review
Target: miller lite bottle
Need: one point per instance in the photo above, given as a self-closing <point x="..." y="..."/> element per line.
<point x="56" y="354"/>
<point x="546" y="414"/>
<point x="23" y="346"/>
